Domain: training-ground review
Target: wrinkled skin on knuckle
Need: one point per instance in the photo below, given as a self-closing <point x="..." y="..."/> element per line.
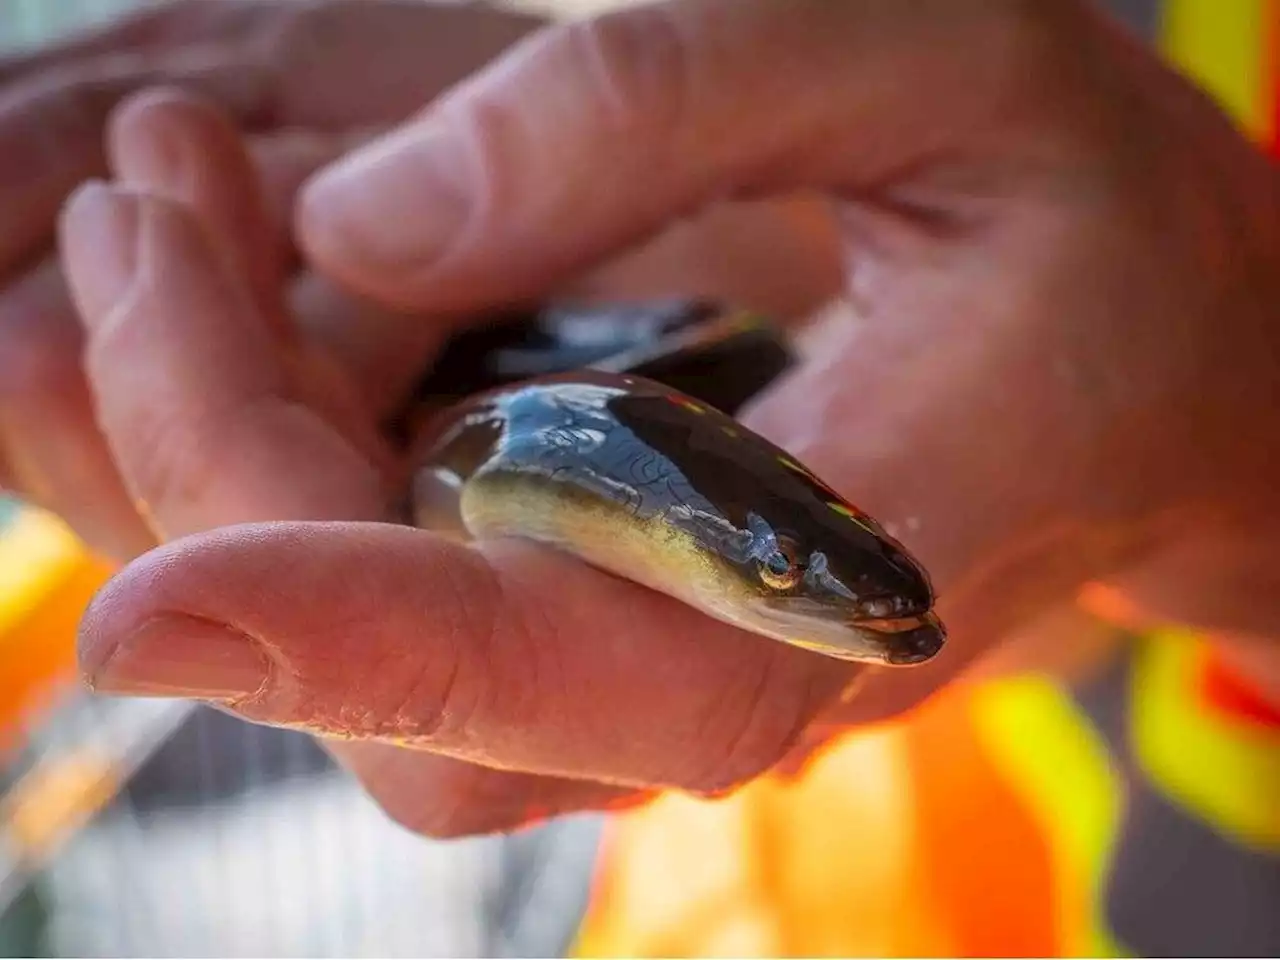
<point x="175" y="461"/>
<point x="365" y="679"/>
<point x="638" y="66"/>
<point x="463" y="620"/>
<point x="414" y="677"/>
<point x="756" y="721"/>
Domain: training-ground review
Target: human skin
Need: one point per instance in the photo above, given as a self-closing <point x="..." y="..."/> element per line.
<point x="1056" y="370"/>
<point x="303" y="83"/>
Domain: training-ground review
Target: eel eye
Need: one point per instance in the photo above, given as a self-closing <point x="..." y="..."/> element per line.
<point x="780" y="570"/>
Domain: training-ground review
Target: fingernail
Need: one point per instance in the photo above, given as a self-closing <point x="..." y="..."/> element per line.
<point x="393" y="207"/>
<point x="100" y="242"/>
<point x="180" y="656"/>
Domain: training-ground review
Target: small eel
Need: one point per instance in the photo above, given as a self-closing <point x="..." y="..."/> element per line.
<point x="656" y="486"/>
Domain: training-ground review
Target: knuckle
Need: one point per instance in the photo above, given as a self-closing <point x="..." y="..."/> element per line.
<point x="441" y="695"/>
<point x="169" y="458"/>
<point x="638" y="66"/>
<point x="754" y="726"/>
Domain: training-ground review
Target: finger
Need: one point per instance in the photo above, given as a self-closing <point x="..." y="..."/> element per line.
<point x="509" y="656"/>
<point x="782" y="259"/>
<point x="442" y="797"/>
<point x="176" y="145"/>
<point x="50" y="445"/>
<point x="285" y="159"/>
<point x="592" y="135"/>
<point x="51" y="450"/>
<point x="51" y="132"/>
<point x="185" y="149"/>
<point x="350" y="64"/>
<point x="213" y="434"/>
<point x="382" y="351"/>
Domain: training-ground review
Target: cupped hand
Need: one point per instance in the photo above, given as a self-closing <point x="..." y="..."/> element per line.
<point x="303" y="81"/>
<point x="284" y="71"/>
<point x="217" y="410"/>
<point x="1055" y="369"/>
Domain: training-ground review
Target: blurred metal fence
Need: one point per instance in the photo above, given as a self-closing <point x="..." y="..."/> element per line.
<point x="238" y="840"/>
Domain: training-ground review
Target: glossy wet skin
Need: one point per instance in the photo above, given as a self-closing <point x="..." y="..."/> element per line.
<point x="659" y="488"/>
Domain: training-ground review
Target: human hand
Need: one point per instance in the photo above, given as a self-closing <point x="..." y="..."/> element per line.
<point x="204" y="306"/>
<point x="1031" y="276"/>
<point x="284" y="70"/>
<point x="304" y="81"/>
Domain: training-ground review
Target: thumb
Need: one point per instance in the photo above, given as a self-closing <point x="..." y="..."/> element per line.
<point x="592" y="135"/>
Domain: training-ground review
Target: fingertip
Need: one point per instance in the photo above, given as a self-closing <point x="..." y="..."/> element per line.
<point x="145" y="141"/>
<point x="117" y="240"/>
<point x="99" y="231"/>
<point x="186" y="577"/>
<point x="168" y="140"/>
<point x="383" y="218"/>
<point x="181" y="146"/>
<point x="132" y="642"/>
<point x="112" y="611"/>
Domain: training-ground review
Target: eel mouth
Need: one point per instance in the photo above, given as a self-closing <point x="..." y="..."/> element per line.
<point x="897" y="641"/>
<point x="894" y="624"/>
<point x="914" y="643"/>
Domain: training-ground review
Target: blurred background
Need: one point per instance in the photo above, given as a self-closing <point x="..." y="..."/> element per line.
<point x="152" y="828"/>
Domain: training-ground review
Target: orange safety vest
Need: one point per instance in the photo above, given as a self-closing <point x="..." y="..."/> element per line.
<point x="46" y="581"/>
<point x="1136" y="812"/>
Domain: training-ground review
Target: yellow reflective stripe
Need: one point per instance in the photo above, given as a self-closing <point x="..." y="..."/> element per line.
<point x="822" y="865"/>
<point x="1226" y="774"/>
<point x="1221" y="44"/>
<point x="37" y="553"/>
<point x="46" y="579"/>
<point x="1060" y="765"/>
